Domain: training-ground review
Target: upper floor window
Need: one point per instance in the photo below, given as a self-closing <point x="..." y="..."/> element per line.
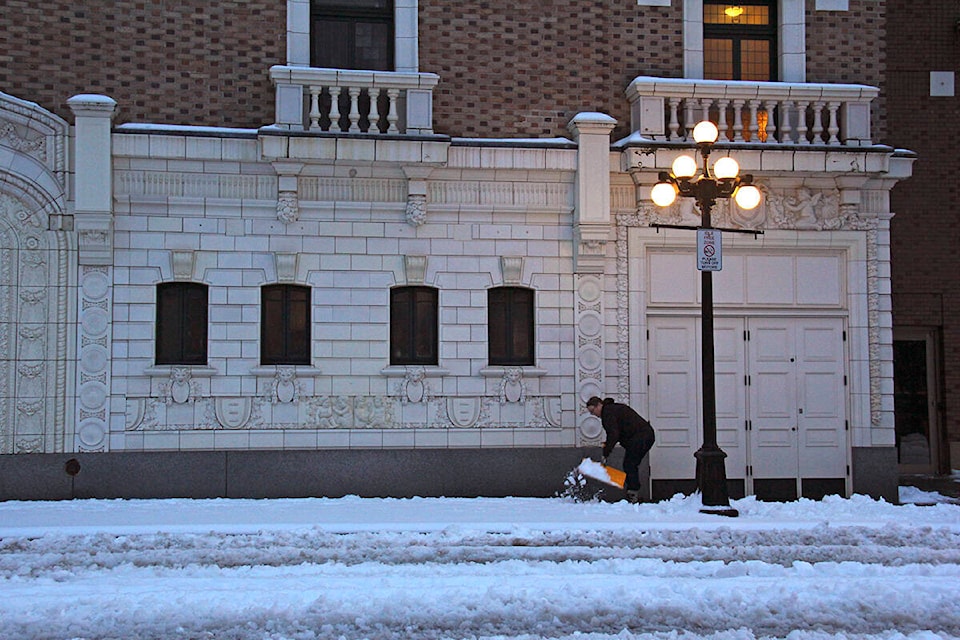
<point x="181" y="323"/>
<point x="510" y="324"/>
<point x="284" y="324"/>
<point x="413" y="326"/>
<point x="352" y="34"/>
<point x="740" y="40"/>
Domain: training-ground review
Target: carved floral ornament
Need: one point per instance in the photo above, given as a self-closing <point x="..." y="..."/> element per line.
<point x="801" y="208"/>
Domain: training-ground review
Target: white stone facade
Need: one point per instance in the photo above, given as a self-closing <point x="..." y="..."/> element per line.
<point x="89" y="235"/>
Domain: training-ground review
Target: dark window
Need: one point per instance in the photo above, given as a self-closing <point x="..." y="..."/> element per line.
<point x="181" y="323"/>
<point x="352" y="34"/>
<point x="284" y="324"/>
<point x="510" y="313"/>
<point x="413" y="325"/>
<point x="740" y="40"/>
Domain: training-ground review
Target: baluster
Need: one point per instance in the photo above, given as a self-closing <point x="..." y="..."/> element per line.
<point x="374" y="116"/>
<point x="705" y="107"/>
<point x="833" y="128"/>
<point x="786" y="107"/>
<point x="818" y="122"/>
<point x="392" y="117"/>
<point x="354" y="109"/>
<point x="674" y="125"/>
<point x="688" y="122"/>
<point x="738" y="120"/>
<point x="754" y="126"/>
<point x="771" y="127"/>
<point x="802" y="122"/>
<point x="335" y="109"/>
<point x="315" y="107"/>
<point x="722" y="125"/>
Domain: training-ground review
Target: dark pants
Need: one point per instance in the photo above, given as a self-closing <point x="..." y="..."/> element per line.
<point x="635" y="452"/>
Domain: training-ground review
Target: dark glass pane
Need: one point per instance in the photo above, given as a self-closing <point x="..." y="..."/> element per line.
<point x="522" y="327"/>
<point x="271" y="325"/>
<point x="755" y="60"/>
<point x="353" y="4"/>
<point x="285" y="324"/>
<point x="739" y="14"/>
<point x="400" y="323"/>
<point x="169" y="331"/>
<point x="352" y="35"/>
<point x="413" y="325"/>
<point x="332" y="44"/>
<point x="181" y="323"/>
<point x="497" y="332"/>
<point x="195" y="324"/>
<point x="298" y="326"/>
<point x="717" y="59"/>
<point x="373" y="43"/>
<point x="510" y="326"/>
<point x="425" y="327"/>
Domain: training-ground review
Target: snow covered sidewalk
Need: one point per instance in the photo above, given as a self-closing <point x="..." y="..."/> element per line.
<point x="483" y="568"/>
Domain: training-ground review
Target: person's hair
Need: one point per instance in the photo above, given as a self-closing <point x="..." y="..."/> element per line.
<point x="594" y="401"/>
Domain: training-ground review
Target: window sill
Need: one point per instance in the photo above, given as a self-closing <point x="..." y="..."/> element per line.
<point x="164" y="370"/>
<point x="301" y="370"/>
<point x="498" y="371"/>
<point x="400" y="370"/>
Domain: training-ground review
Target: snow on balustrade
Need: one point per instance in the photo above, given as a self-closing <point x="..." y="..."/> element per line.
<point x="753" y="112"/>
<point x="354" y="101"/>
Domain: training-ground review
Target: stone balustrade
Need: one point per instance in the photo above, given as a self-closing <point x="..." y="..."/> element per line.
<point x="753" y="112"/>
<point x="348" y="101"/>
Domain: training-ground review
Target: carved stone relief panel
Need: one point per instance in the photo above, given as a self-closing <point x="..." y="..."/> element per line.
<point x="589" y="350"/>
<point x="93" y="342"/>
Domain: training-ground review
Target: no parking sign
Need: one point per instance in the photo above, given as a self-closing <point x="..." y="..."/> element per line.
<point x="709" y="250"/>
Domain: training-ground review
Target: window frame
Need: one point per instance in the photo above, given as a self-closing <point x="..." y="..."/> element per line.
<point x="408" y="319"/>
<point x="502" y="325"/>
<point x="287" y="354"/>
<point x="791" y="40"/>
<point x="172" y="343"/>
<point x="347" y="13"/>
<point x="738" y="34"/>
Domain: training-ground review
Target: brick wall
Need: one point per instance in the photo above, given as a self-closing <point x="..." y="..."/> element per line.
<point x="179" y="62"/>
<point x="925" y="240"/>
<point x="507" y="69"/>
<point x="523" y="69"/>
<point x="847" y="47"/>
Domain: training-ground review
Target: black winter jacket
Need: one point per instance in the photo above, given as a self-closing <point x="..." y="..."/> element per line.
<point x="623" y="425"/>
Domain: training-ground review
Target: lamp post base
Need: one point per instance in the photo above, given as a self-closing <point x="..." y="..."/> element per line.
<point x="712" y="481"/>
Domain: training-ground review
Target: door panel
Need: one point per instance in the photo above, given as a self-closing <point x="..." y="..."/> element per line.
<point x="729" y="365"/>
<point x="773" y="399"/>
<point x="794" y="403"/>
<point x="674" y="396"/>
<point x="822" y="398"/>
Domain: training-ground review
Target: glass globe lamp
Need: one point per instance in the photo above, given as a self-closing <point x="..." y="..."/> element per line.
<point x="706" y="132"/>
<point x="663" y="194"/>
<point x="725" y="168"/>
<point x="747" y="197"/>
<point x="684" y="167"/>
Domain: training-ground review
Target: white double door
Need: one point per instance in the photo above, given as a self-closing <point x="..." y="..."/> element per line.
<point x="781" y="396"/>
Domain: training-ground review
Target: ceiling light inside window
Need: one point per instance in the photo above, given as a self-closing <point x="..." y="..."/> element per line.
<point x="734" y="11"/>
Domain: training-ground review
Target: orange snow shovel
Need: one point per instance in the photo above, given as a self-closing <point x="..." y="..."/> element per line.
<point x="602" y="473"/>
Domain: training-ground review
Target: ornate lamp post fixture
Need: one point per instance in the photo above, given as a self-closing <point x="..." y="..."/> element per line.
<point x="723" y="182"/>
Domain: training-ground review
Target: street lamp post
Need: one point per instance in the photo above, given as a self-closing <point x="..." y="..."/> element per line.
<point x="723" y="181"/>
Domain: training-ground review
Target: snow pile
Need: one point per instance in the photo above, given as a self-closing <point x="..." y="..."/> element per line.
<point x="529" y="569"/>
